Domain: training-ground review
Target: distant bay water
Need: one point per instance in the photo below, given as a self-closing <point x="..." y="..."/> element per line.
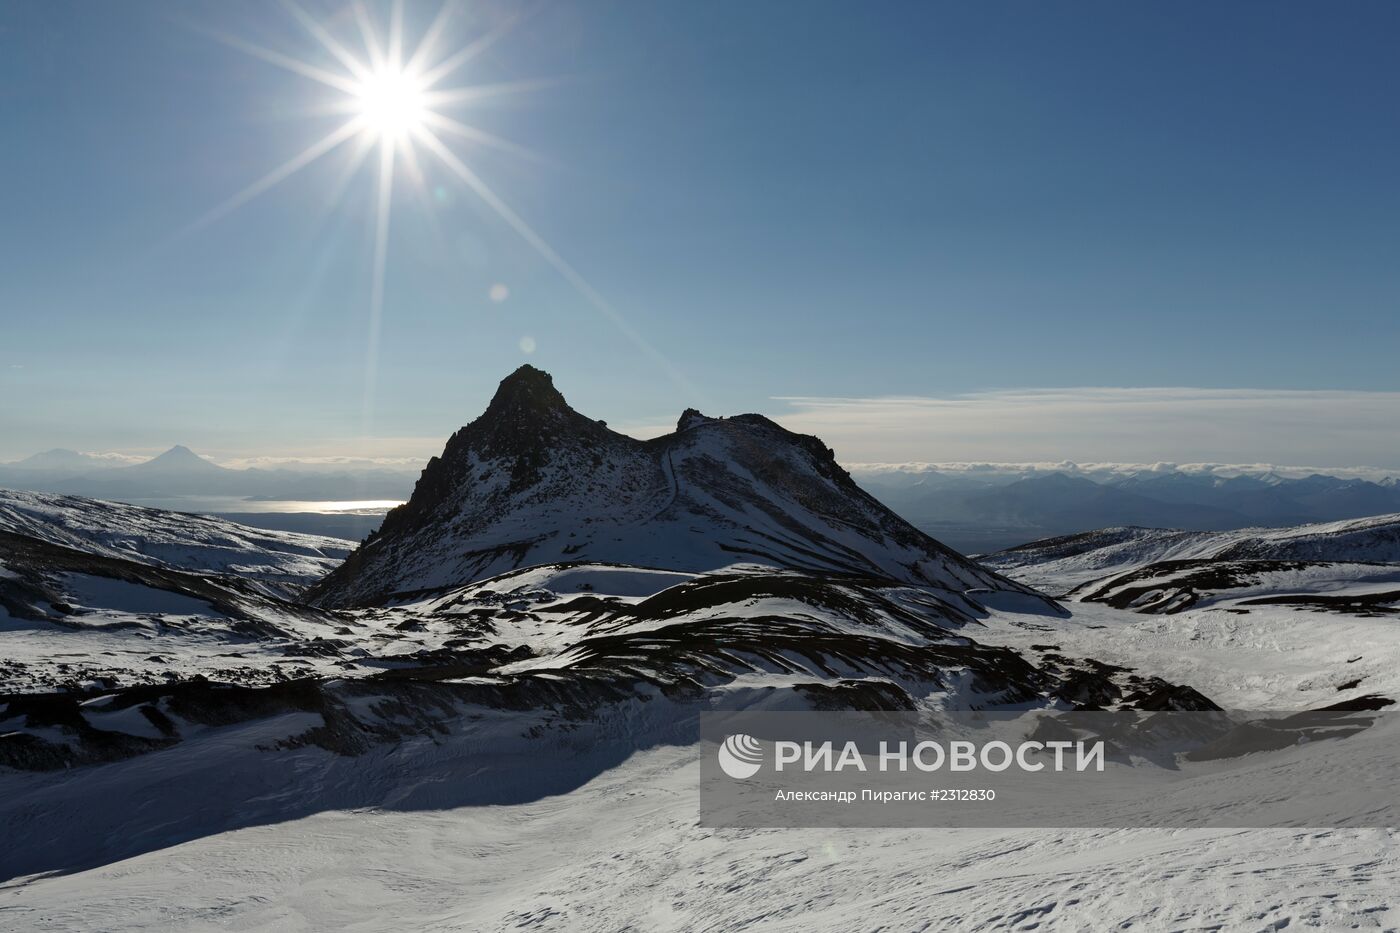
<point x="351" y="519"/>
<point x="226" y="504"/>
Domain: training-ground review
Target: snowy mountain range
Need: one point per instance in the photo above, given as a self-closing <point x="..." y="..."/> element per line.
<point x="526" y="646"/>
<point x="979" y="511"/>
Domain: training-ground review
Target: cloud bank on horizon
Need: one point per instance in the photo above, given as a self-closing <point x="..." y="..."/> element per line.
<point x="1221" y="430"/>
<point x="1137" y="425"/>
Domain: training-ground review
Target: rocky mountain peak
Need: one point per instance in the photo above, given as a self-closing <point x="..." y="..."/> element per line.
<point x="526" y="417"/>
<point x="691" y="418"/>
<point x="533" y="482"/>
<point x="527" y="391"/>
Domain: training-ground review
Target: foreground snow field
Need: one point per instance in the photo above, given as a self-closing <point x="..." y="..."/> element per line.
<point x="599" y="831"/>
<point x="624" y="852"/>
<point x="486" y="716"/>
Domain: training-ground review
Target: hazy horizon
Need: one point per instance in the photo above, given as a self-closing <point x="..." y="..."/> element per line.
<point x="116" y="459"/>
<point x="1142" y="427"/>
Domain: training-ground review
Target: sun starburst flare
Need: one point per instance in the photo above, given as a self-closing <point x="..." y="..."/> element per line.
<point x="396" y="104"/>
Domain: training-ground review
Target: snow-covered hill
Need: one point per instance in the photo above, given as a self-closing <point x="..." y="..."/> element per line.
<point x="1057" y="565"/>
<point x="1284" y="618"/>
<point x="96" y="593"/>
<point x="176" y="540"/>
<point x="532" y="481"/>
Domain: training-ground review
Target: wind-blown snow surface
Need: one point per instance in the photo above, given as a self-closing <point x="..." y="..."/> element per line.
<point x="623" y="851"/>
<point x="488" y="808"/>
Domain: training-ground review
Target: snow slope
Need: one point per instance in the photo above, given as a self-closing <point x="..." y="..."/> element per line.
<point x="170" y="539"/>
<point x="1294" y="617"/>
<point x="94" y="591"/>
<point x="622" y="850"/>
<point x="1057" y="565"/>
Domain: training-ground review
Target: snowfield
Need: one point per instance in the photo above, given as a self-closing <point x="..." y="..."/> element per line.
<point x="489" y="833"/>
<point x="488" y="718"/>
<point x="624" y="852"/>
<point x="1275" y="658"/>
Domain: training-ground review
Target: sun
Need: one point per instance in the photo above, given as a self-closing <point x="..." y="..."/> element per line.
<point x="392" y="102"/>
<point x="392" y="97"/>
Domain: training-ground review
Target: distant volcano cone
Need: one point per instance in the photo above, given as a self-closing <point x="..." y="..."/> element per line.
<point x="178" y="459"/>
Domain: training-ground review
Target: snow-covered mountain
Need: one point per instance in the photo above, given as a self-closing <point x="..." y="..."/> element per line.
<point x="532" y="481"/>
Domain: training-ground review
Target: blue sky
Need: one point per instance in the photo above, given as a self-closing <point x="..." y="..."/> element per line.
<point x="808" y="200"/>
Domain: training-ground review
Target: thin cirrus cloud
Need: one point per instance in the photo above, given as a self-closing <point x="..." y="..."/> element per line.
<point x="1335" y="428"/>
